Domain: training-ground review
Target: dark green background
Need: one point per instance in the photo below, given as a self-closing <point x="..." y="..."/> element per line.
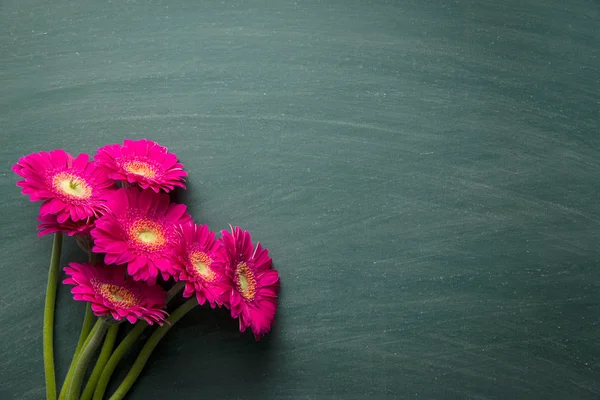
<point x="424" y="173"/>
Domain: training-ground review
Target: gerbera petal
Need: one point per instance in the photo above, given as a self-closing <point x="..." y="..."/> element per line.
<point x="63" y="217"/>
<point x="81" y="161"/>
<point x="176" y="212"/>
<point x="52" y="206"/>
<point x="270" y="277"/>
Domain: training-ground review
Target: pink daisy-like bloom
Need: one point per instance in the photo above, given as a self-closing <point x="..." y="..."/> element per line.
<point x="144" y="163"/>
<point x="195" y="261"/>
<point x="49" y="224"/>
<point x="70" y="187"/>
<point x="79" y="229"/>
<point x="110" y="293"/>
<point x="139" y="229"/>
<point x="254" y="285"/>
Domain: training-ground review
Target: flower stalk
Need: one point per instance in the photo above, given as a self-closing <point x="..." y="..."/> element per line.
<point x="116" y="357"/>
<point x="48" y="330"/>
<point x="86" y="327"/>
<point x="107" y="348"/>
<point x="91" y="344"/>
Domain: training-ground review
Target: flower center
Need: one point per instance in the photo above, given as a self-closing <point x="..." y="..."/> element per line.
<point x="149" y="235"/>
<point x="118" y="295"/>
<point x="201" y="265"/>
<point x="246" y="284"/>
<point x="71" y="185"/>
<point x="141" y="168"/>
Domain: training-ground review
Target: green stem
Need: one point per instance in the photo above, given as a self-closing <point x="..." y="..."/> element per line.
<point x="125" y="345"/>
<point x="91" y="344"/>
<point x="105" y="353"/>
<point x="48" y="330"/>
<point x="150" y="345"/>
<point x="174" y="290"/>
<point x="86" y="327"/>
<point x="117" y="355"/>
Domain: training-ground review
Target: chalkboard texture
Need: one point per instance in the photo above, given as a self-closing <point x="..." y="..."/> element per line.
<point x="425" y="174"/>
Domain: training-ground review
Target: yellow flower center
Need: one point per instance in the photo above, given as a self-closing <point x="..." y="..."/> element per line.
<point x="118" y="295"/>
<point x="147" y="236"/>
<point x="150" y="235"/>
<point x="140" y="168"/>
<point x="201" y="264"/>
<point x="71" y="185"/>
<point x="245" y="281"/>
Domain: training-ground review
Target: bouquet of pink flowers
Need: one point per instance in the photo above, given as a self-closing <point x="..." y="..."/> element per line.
<point x="143" y="251"/>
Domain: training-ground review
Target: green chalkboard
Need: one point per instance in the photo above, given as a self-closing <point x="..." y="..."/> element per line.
<point x="425" y="174"/>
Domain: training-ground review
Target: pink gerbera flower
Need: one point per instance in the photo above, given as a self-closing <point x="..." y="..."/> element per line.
<point x="142" y="162"/>
<point x="71" y="187"/>
<point x="139" y="229"/>
<point x="49" y="224"/>
<point x="195" y="262"/>
<point x="79" y="229"/>
<point x="254" y="285"/>
<point x="110" y="293"/>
